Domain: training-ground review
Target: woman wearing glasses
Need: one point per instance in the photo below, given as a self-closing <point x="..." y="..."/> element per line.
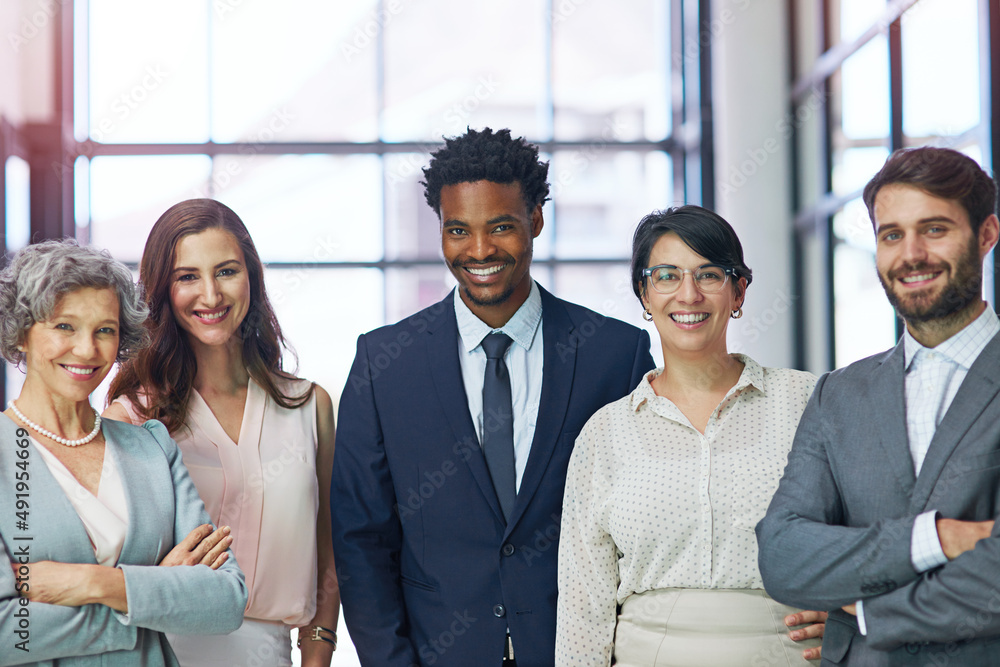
<point x="657" y="557"/>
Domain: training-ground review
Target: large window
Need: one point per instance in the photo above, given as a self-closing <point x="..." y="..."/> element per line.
<point x="871" y="77"/>
<point x="312" y="121"/>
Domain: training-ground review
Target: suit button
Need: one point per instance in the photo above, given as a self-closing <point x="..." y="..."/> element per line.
<point x="508" y="550"/>
<point x="499" y="611"/>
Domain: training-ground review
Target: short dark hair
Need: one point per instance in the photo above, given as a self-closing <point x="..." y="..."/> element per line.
<point x="487" y="156"/>
<point x="704" y="231"/>
<point x="941" y="172"/>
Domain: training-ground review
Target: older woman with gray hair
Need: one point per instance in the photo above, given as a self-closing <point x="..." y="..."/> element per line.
<point x="91" y="511"/>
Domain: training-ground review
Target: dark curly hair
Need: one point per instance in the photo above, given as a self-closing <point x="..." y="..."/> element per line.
<point x="487" y="156"/>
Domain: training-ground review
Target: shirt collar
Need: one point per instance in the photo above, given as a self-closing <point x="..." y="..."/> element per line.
<point x="521" y="327"/>
<point x="964" y="347"/>
<point x="752" y="376"/>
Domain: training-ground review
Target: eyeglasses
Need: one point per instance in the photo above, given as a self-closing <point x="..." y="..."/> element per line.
<point x="709" y="278"/>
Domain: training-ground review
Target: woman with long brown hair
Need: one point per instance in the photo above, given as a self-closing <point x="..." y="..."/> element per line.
<point x="257" y="440"/>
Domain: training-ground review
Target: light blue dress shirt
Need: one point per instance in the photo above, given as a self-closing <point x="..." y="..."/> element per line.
<point x="524" y="359"/>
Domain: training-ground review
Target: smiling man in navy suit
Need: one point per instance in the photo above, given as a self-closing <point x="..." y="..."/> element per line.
<point x="451" y="455"/>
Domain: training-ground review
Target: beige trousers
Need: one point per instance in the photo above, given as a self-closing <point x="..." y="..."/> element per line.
<point x="690" y="627"/>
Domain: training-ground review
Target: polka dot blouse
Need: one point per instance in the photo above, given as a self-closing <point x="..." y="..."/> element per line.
<point x="653" y="503"/>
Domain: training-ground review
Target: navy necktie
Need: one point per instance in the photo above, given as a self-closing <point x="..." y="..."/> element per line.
<point x="498" y="421"/>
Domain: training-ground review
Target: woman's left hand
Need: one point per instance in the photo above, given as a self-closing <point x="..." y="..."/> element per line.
<point x="72" y="584"/>
<point x="817" y="623"/>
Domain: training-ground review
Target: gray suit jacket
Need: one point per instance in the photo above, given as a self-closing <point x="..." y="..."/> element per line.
<point x="838" y="529"/>
<point x="163" y="508"/>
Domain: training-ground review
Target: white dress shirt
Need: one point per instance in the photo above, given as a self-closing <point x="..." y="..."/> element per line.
<point x="524" y="359"/>
<point x="932" y="378"/>
<point x="652" y="503"/>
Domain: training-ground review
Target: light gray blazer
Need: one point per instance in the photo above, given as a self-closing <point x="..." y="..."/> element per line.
<point x="163" y="508"/>
<point x="838" y="529"/>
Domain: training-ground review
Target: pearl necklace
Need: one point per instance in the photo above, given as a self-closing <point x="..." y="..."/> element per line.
<point x="49" y="434"/>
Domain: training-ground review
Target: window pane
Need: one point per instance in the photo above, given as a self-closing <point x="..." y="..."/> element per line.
<point x="147" y="71"/>
<point x="412" y="228"/>
<point x="854" y="167"/>
<point x="864" y="89"/>
<point x="940" y="67"/>
<point x="856" y="16"/>
<point x="18" y="213"/>
<point x="600" y="195"/>
<point x="450" y="65"/>
<point x="321" y="312"/>
<point x="128" y="194"/>
<point x="606" y="289"/>
<point x="621" y="90"/>
<point x="305" y="208"/>
<point x="865" y="322"/>
<point x="408" y="290"/>
<point x="853" y="226"/>
<point x="297" y="70"/>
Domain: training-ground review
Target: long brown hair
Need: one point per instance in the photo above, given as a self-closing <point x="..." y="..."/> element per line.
<point x="159" y="379"/>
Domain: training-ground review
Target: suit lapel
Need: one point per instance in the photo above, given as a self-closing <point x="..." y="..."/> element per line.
<point x="977" y="391"/>
<point x="891" y="424"/>
<point x="55" y="529"/>
<point x="558" y="369"/>
<point x="133" y="469"/>
<point x="446" y="372"/>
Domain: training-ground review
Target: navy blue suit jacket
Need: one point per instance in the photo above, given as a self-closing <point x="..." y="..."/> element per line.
<point x="429" y="572"/>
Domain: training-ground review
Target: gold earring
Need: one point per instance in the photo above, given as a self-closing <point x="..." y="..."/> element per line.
<point x="646" y="315"/>
<point x="737" y="314"/>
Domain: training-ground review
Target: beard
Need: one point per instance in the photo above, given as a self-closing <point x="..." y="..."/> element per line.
<point x="964" y="288"/>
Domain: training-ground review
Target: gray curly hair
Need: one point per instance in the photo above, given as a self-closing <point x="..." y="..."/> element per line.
<point x="40" y="274"/>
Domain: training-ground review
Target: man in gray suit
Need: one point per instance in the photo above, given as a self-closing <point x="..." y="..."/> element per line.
<point x="885" y="511"/>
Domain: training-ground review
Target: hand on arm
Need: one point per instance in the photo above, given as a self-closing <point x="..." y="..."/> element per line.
<point x="73" y="584"/>
<point x="202" y="546"/>
<point x="320" y="653"/>
<point x="957" y="537"/>
<point x="817" y="624"/>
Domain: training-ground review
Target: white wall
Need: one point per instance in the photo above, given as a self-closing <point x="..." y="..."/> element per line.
<point x="752" y="162"/>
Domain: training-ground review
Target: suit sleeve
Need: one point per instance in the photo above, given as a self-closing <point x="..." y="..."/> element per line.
<point x="588" y="562"/>
<point x="50" y="631"/>
<point x="367" y="533"/>
<point x="808" y="557"/>
<point x="184" y="599"/>
<point x="643" y="361"/>
<point x="956" y="602"/>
